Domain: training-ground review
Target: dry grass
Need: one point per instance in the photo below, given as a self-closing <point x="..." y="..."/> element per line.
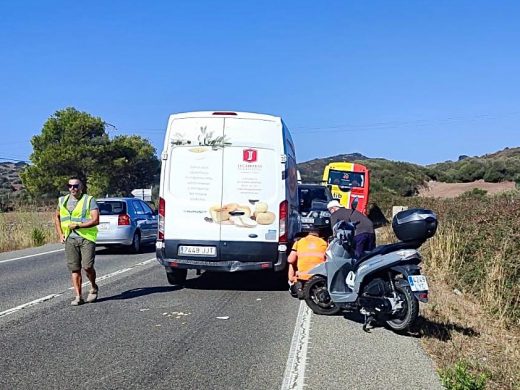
<point x="473" y="268"/>
<point x="20" y="230"/>
<point x="455" y="328"/>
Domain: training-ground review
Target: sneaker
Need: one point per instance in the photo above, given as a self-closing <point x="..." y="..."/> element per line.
<point x="77" y="301"/>
<point x="92" y="295"/>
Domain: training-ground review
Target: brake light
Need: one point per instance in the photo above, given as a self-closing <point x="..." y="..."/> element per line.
<point x="224" y="113"/>
<point x="123" y="219"/>
<point x="282" y="238"/>
<point x="162" y="212"/>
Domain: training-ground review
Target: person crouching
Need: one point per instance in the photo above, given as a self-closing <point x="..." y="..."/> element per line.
<point x="306" y="253"/>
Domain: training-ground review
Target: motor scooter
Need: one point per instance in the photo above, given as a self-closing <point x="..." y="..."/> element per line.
<point x="384" y="285"/>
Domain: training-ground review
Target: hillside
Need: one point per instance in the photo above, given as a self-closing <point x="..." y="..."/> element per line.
<point x="10" y="183"/>
<point x="397" y="177"/>
<point x="407" y="179"/>
<point x="495" y="167"/>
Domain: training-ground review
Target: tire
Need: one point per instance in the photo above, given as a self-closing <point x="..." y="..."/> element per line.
<point x="135" y="246"/>
<point x="404" y="318"/>
<point x="176" y="277"/>
<point x="317" y="297"/>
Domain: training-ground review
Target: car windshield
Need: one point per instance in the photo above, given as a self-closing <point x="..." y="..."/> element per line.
<point x="346" y="179"/>
<point x="111" y="207"/>
<point x="307" y="195"/>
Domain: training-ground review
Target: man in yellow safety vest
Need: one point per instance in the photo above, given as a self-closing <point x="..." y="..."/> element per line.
<point x="76" y="220"/>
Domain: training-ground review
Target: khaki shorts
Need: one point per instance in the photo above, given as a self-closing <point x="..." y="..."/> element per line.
<point x="80" y="253"/>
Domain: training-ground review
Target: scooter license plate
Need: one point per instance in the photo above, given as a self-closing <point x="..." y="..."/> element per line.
<point x="418" y="282"/>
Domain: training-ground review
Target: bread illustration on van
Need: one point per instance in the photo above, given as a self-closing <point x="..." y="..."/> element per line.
<point x="241" y="215"/>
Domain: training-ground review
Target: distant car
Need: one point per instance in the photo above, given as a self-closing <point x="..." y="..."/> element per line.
<point x="313" y="200"/>
<point x="128" y="222"/>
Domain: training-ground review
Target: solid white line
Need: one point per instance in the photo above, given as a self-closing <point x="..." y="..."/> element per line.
<point x="28" y="304"/>
<point x="52" y="296"/>
<point x="36" y="254"/>
<point x="294" y="375"/>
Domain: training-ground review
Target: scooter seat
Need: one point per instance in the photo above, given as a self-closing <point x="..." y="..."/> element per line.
<point x="384" y="249"/>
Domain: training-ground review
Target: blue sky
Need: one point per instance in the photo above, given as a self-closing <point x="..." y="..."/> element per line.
<point x="418" y="81"/>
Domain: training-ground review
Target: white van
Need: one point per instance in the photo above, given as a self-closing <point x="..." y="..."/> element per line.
<point x="228" y="193"/>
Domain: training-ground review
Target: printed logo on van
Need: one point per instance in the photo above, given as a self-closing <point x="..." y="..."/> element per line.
<point x="250" y="155"/>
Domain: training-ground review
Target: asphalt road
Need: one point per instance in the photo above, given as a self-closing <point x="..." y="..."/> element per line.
<point x="222" y="331"/>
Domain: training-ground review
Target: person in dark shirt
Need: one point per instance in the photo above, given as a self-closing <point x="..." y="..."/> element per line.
<point x="365" y="237"/>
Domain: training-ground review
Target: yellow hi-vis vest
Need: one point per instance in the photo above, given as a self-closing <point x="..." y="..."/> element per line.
<point x="81" y="213"/>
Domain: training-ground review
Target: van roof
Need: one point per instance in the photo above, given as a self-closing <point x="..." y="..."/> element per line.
<point x="228" y="114"/>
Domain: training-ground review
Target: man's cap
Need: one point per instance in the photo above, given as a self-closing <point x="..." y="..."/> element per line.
<point x="333" y="203"/>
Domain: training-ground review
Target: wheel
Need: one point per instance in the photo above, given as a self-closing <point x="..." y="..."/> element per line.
<point x="176" y="277"/>
<point x="135" y="247"/>
<point x="317" y="296"/>
<point x="406" y="316"/>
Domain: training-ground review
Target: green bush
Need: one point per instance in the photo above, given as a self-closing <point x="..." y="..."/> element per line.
<point x="38" y="237"/>
<point x="460" y="377"/>
<point x="477" y="193"/>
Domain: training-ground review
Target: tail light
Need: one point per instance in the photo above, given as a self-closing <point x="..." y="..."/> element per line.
<point x="123" y="219"/>
<point x="282" y="238"/>
<point x="162" y="213"/>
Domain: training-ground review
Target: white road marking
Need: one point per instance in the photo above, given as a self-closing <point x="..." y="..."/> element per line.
<point x="28" y="304"/>
<point x="294" y="375"/>
<point x="36" y="254"/>
<point x="52" y="296"/>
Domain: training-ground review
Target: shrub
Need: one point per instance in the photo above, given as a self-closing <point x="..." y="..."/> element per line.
<point x="38" y="237"/>
<point x="460" y="377"/>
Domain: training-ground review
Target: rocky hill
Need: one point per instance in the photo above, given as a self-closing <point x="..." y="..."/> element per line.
<point x="10" y="183"/>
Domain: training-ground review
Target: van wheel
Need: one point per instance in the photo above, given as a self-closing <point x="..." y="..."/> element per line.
<point x="135" y="247"/>
<point x="176" y="277"/>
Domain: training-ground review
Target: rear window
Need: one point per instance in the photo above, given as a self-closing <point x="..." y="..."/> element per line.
<point x="111" y="207"/>
<point x="307" y="195"/>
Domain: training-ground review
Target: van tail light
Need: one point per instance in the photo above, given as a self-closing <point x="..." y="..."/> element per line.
<point x="162" y="213"/>
<point x="282" y="238"/>
<point x="123" y="219"/>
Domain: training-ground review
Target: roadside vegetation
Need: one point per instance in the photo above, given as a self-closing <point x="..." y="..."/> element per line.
<point x="472" y="324"/>
<point x="24" y="229"/>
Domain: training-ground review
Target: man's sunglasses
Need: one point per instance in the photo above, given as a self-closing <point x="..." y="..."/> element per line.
<point x="76" y="186"/>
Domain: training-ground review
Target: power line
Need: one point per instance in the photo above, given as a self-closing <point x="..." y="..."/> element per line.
<point x="384" y="125"/>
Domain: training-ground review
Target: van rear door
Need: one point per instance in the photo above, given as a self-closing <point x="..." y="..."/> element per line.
<point x="194" y="186"/>
<point x="251" y="190"/>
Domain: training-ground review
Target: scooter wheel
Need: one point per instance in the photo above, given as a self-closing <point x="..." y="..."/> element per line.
<point x="405" y="318"/>
<point x="317" y="296"/>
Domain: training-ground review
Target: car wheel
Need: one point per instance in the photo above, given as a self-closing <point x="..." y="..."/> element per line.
<point x="135" y="247"/>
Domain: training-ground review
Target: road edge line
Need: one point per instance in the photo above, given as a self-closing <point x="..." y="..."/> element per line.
<point x="294" y="375"/>
<point x="36" y="254"/>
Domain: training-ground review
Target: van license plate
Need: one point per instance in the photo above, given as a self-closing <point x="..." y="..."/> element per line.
<point x="307" y="220"/>
<point x="191" y="250"/>
<point x="418" y="283"/>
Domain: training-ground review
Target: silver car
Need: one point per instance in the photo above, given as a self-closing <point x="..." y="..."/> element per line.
<point x="128" y="222"/>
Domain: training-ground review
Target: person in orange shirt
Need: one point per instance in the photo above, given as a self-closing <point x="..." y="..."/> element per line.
<point x="306" y="253"/>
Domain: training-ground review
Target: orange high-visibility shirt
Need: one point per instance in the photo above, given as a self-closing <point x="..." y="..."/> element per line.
<point x="311" y="252"/>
